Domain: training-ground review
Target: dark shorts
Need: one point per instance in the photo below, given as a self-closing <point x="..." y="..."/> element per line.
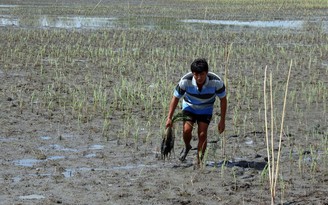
<point x="189" y="116"/>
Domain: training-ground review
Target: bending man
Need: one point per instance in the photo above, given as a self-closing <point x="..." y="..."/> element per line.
<point x="199" y="89"/>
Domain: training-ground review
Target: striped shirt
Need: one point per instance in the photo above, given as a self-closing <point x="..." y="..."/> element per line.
<point x="199" y="101"/>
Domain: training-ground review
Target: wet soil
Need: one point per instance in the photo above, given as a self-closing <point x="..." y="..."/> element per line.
<point x="50" y="156"/>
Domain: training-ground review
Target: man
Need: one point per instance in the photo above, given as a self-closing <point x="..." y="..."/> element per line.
<point x="199" y="89"/>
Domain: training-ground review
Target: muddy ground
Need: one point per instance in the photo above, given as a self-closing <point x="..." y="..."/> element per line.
<point x="42" y="166"/>
<point x="52" y="158"/>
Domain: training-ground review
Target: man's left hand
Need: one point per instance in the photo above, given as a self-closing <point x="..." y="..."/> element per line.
<point x="221" y="126"/>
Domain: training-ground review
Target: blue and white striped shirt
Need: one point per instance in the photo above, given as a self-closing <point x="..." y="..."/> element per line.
<point x="199" y="101"/>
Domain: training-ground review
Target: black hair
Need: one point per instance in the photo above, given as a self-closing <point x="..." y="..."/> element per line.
<point x="199" y="65"/>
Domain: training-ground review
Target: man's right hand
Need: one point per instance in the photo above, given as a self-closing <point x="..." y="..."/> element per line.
<point x="168" y="122"/>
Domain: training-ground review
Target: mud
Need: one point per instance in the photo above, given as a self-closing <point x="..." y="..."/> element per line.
<point x="50" y="155"/>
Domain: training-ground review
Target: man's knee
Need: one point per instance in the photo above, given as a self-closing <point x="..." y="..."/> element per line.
<point x="203" y="135"/>
<point x="187" y="128"/>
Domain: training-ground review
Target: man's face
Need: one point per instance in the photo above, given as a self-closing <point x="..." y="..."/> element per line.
<point x="200" y="77"/>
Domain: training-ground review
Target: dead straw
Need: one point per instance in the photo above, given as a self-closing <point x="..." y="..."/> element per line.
<point x="273" y="165"/>
<point x="282" y="123"/>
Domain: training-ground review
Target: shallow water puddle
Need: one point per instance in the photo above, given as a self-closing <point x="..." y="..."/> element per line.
<point x="45" y="137"/>
<point x="92" y="155"/>
<point x="7" y="6"/>
<point x="32" y="162"/>
<point x="281" y="24"/>
<point x="77" y="22"/>
<point x="58" y="148"/>
<point x="26" y="162"/>
<point x="249" y="142"/>
<point x="263" y="24"/>
<point x="96" y="147"/>
<point x="94" y="22"/>
<point x="31" y="197"/>
<point x="8" y="21"/>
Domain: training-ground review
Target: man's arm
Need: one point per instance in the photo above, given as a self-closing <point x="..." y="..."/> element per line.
<point x="223" y="105"/>
<point x="173" y="104"/>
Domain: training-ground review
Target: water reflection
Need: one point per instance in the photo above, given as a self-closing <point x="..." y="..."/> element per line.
<point x="96" y="147"/>
<point x="8" y="21"/>
<point x="160" y="23"/>
<point x="58" y="148"/>
<point x="32" y="162"/>
<point x="26" y="162"/>
<point x="263" y="24"/>
<point x="32" y="197"/>
<point x="76" y="22"/>
<point x="7" y="6"/>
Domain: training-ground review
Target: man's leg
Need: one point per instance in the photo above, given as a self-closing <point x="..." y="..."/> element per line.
<point x="187" y="135"/>
<point x="202" y="140"/>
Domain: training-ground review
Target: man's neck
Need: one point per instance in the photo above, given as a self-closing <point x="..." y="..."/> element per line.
<point x="200" y="86"/>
